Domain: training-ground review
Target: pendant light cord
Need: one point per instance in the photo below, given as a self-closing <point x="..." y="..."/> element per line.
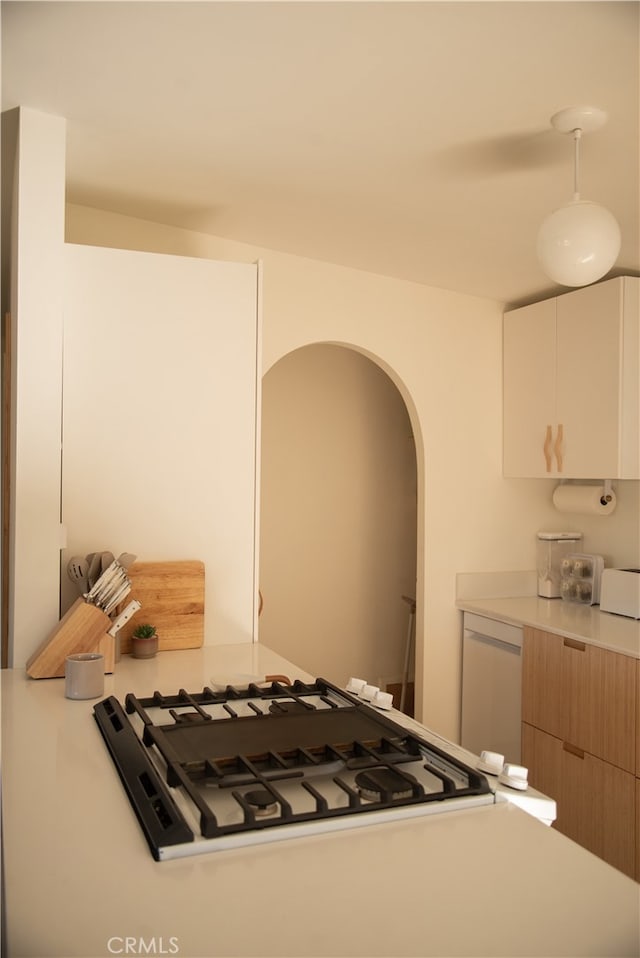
<point x="577" y="134"/>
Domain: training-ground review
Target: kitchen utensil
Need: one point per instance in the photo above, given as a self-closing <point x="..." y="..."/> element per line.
<point x="116" y="567"/>
<point x="124" y="616"/>
<point x="94" y="562"/>
<point x="115" y="588"/>
<point x="106" y="558"/>
<point x="78" y="572"/>
<point x="115" y="598"/>
<point x="105" y="581"/>
<point x="111" y="585"/>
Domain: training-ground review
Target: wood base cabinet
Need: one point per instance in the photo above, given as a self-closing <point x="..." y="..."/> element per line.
<point x="596" y="801"/>
<point x="582" y="694"/>
<point x="638" y="829"/>
<point x="579" y="742"/>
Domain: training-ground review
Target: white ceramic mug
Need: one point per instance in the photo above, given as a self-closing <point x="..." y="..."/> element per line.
<point x="84" y="675"/>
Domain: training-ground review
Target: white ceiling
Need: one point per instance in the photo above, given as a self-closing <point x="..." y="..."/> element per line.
<point x="409" y="139"/>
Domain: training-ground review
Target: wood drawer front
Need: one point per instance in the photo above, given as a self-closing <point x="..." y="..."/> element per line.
<point x="638" y="829"/>
<point x="638" y="723"/>
<point x="596" y="801"/>
<point x="583" y="695"/>
<point x="598" y="808"/>
<point x="612" y="712"/>
<point x="542" y="681"/>
<point x="542" y="756"/>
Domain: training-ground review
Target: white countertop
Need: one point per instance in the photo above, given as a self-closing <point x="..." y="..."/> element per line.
<point x="79" y="877"/>
<point x="587" y="623"/>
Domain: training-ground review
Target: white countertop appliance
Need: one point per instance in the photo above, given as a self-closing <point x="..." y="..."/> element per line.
<point x="620" y="592"/>
<point x="245" y="765"/>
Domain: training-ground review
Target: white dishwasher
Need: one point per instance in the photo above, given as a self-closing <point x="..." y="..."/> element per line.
<point x="491" y="686"/>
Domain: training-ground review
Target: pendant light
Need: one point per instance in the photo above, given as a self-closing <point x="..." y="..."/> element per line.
<point x="579" y="242"/>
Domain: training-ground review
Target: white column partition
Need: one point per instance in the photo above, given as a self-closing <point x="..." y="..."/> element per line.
<point x="159" y="418"/>
<point x="36" y="308"/>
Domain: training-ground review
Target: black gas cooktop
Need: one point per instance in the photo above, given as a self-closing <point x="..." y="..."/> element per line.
<point x="204" y="767"/>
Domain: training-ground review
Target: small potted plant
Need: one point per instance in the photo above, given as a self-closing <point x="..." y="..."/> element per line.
<point x="144" y="641"/>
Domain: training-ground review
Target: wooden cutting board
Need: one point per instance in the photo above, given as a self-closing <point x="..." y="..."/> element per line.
<point x="172" y="599"/>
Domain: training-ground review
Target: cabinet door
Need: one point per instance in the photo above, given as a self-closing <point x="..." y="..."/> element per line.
<point x="599" y="702"/>
<point x="596" y="802"/>
<point x="637" y="876"/>
<point x="597" y="808"/>
<point x="542" y="696"/>
<point x="578" y="689"/>
<point x="529" y="387"/>
<point x="638" y="722"/>
<point x="589" y="345"/>
<point x="572" y="369"/>
<point x="582" y="694"/>
<point x="542" y="756"/>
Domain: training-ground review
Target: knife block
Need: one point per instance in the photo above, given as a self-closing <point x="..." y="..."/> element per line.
<point x="84" y="628"/>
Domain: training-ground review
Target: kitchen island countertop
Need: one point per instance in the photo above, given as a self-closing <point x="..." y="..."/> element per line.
<point x="80" y="880"/>
<point x="617" y="633"/>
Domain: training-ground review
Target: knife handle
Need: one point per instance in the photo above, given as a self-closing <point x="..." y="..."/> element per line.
<point x="124" y="617"/>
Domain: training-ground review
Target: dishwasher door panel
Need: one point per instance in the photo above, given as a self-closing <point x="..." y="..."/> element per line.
<point x="491" y="695"/>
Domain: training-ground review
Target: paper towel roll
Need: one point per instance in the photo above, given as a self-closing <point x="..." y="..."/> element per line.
<point x="583" y="500"/>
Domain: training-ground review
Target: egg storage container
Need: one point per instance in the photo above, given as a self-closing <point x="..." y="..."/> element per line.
<point x="581" y="576"/>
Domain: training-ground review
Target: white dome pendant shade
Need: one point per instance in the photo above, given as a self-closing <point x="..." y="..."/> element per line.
<point x="579" y="242"/>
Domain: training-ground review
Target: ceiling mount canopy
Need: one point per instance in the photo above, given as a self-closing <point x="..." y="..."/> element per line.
<point x="579" y="242"/>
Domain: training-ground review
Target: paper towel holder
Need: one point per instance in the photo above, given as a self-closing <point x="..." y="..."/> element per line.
<point x="592" y="498"/>
<point x="607" y="492"/>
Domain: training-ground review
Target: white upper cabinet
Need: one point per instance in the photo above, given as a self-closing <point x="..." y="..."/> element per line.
<point x="571" y="375"/>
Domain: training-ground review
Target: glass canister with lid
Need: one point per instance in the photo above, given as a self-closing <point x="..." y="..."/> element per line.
<point x="552" y="547"/>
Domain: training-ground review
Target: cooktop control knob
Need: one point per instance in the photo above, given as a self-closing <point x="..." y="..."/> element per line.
<point x="515" y="776"/>
<point x="382" y="700"/>
<point x="491" y="762"/>
<point x="369" y="692"/>
<point x="355" y="685"/>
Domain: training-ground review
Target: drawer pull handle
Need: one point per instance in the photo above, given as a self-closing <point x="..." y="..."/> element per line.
<point x="547" y="448"/>
<point x="573" y="749"/>
<point x="574" y="644"/>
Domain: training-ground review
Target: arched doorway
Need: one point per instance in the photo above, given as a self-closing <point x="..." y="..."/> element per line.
<point x="338" y="515"/>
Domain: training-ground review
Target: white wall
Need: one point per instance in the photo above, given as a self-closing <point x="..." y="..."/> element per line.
<point x="443" y="350"/>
